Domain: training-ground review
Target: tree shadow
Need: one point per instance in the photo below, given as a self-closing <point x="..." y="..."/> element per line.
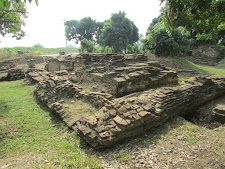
<point x="4" y="111"/>
<point x="56" y="120"/>
<point x="4" y="108"/>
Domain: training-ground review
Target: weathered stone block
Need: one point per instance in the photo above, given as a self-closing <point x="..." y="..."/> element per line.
<point x="121" y="121"/>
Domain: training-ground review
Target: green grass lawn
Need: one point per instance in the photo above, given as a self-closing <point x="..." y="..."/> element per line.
<point x="182" y="63"/>
<point x="28" y="130"/>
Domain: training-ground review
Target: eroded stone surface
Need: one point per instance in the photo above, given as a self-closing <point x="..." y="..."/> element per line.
<point x="219" y="113"/>
<point x="57" y="65"/>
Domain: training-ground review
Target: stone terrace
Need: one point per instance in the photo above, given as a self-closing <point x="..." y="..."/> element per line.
<point x="120" y="75"/>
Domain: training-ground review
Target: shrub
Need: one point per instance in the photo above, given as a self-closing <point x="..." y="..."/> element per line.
<point x="37" y="45"/>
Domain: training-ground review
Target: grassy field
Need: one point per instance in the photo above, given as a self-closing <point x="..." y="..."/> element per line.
<point x="182" y="63"/>
<point x="8" y="52"/>
<point x="33" y="137"/>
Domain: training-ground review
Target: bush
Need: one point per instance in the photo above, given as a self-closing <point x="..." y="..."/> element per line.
<point x="167" y="42"/>
<point x="87" y="45"/>
<point x="37" y="45"/>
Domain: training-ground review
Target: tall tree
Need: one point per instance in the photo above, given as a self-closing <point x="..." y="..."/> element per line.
<point x="154" y="22"/>
<point x="118" y="32"/>
<point x="77" y="30"/>
<point x="205" y="17"/>
<point x="12" y="15"/>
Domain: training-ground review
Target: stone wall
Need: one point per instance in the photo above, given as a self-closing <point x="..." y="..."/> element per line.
<point x="57" y="65"/>
<point x="13" y="74"/>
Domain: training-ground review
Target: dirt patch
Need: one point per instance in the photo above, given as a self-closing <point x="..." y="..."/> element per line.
<point x="28" y="160"/>
<point x="176" y="144"/>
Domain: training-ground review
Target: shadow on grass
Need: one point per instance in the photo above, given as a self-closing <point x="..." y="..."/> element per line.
<point x="185" y="64"/>
<point x="56" y="119"/>
<point x="4" y="108"/>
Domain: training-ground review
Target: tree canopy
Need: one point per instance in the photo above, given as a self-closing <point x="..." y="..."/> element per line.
<point x="154" y="22"/>
<point x="12" y="15"/>
<point x="204" y="17"/>
<point x="118" y="32"/>
<point x="77" y="30"/>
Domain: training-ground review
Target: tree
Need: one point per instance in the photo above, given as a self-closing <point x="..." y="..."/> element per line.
<point x="168" y="42"/>
<point x="154" y="22"/>
<point x="12" y="15"/>
<point x="76" y="30"/>
<point x="206" y="18"/>
<point x="118" y="32"/>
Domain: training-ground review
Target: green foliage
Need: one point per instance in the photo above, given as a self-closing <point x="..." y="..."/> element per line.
<point x="102" y="49"/>
<point x="9" y="52"/>
<point x="87" y="45"/>
<point x="118" y="32"/>
<point x="204" y="17"/>
<point x="122" y="156"/>
<point x="76" y="30"/>
<point x="133" y="48"/>
<point x="12" y="15"/>
<point x="168" y="42"/>
<point x="37" y="45"/>
<point x="154" y="22"/>
<point x="27" y="129"/>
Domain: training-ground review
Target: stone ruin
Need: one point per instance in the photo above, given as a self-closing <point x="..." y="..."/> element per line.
<point x="57" y="65"/>
<point x="13" y="74"/>
<point x="120" y="75"/>
<point x="111" y="97"/>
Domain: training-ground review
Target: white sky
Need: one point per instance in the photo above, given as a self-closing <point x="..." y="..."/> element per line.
<point x="45" y="22"/>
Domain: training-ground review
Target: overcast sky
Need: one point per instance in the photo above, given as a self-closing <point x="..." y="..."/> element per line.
<point x="45" y="22"/>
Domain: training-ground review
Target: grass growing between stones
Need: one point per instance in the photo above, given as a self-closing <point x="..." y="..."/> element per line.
<point x="31" y="137"/>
